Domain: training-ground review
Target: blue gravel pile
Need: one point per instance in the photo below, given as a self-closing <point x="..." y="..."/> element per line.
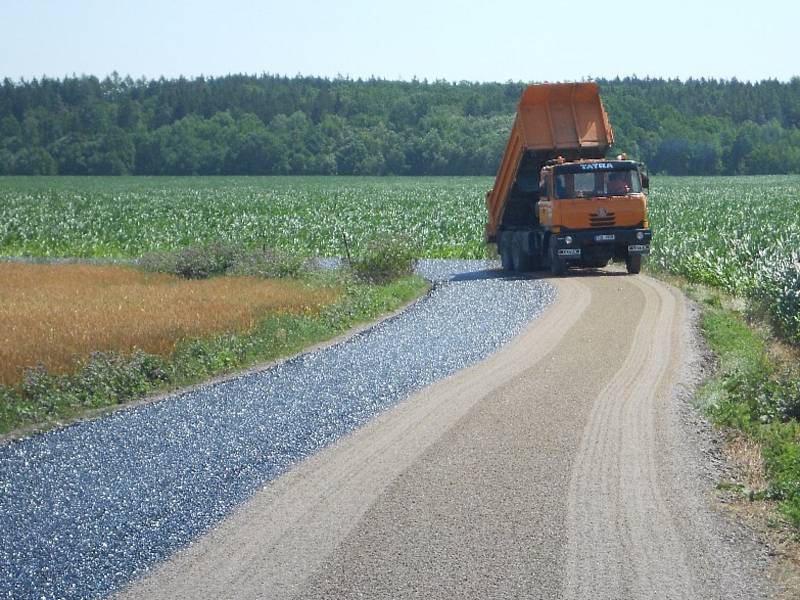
<point x="86" y="508"/>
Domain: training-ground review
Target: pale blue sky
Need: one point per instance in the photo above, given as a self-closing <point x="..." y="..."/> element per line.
<point x="474" y="41"/>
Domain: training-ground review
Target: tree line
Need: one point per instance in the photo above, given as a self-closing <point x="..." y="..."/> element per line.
<point x="268" y="124"/>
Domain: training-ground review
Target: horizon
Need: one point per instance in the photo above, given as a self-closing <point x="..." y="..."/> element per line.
<point x="422" y="80"/>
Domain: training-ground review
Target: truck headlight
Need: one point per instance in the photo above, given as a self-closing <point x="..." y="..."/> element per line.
<point x="640" y="235"/>
<point x="568" y="240"/>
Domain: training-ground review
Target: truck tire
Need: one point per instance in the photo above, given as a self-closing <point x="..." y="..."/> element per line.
<point x="557" y="265"/>
<point x="536" y="262"/>
<point x="633" y="263"/>
<point x="522" y="260"/>
<point x="505" y="258"/>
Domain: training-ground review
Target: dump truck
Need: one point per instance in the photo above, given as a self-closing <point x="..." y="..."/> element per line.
<point x="557" y="200"/>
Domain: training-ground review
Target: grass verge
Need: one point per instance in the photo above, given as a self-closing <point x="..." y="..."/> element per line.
<point x="755" y="398"/>
<point x="107" y="379"/>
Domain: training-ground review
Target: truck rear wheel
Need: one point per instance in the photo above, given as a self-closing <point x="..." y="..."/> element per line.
<point x="633" y="263"/>
<point x="536" y="262"/>
<point x="505" y="258"/>
<point x="522" y="260"/>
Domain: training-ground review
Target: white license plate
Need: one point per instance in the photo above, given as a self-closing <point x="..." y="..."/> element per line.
<point x="569" y="252"/>
<point x="641" y="248"/>
<point x="606" y="237"/>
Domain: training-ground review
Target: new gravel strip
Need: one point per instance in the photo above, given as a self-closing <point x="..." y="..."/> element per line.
<point x="86" y="508"/>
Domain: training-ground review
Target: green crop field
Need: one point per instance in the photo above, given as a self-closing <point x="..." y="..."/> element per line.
<point x="126" y="216"/>
<point x="738" y="233"/>
<point x="741" y="234"/>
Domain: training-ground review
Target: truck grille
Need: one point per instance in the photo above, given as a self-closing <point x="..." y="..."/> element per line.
<point x="605" y="219"/>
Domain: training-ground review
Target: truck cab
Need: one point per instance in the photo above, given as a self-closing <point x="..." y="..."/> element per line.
<point x="595" y="212"/>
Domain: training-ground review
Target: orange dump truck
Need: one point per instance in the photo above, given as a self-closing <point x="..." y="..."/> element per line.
<point x="557" y="201"/>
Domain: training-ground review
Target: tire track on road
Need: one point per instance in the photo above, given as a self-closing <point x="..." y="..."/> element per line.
<point x="618" y="521"/>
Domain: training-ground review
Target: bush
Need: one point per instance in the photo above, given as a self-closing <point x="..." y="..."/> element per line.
<point x="105" y="378"/>
<point x="41" y="389"/>
<point x="787" y="398"/>
<point x="111" y="378"/>
<point x="201" y="262"/>
<point x="193" y="262"/>
<point x="268" y="262"/>
<point x="385" y="260"/>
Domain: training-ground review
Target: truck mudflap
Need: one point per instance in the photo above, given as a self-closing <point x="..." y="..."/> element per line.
<point x="574" y="246"/>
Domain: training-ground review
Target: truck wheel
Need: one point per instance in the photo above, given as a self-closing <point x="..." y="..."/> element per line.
<point x="522" y="261"/>
<point x="536" y="262"/>
<point x="634" y="263"/>
<point x="557" y="265"/>
<point x="505" y="258"/>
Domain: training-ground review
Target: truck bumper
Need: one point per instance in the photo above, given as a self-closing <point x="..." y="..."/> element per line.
<point x="578" y="246"/>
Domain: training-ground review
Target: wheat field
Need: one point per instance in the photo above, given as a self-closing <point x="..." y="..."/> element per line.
<point x="57" y="315"/>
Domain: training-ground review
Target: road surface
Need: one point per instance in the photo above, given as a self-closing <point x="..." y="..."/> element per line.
<point x="560" y="467"/>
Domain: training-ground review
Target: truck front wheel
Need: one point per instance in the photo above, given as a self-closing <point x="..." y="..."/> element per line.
<point x="558" y="265"/>
<point x="633" y="263"/>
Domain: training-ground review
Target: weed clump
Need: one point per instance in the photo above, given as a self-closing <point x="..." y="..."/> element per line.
<point x="211" y="260"/>
<point x="385" y="260"/>
<point x="269" y="263"/>
<point x="103" y="379"/>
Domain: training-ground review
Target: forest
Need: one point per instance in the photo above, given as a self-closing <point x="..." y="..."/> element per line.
<point x="268" y="125"/>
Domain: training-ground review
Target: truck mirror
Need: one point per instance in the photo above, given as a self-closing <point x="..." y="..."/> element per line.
<point x="645" y="180"/>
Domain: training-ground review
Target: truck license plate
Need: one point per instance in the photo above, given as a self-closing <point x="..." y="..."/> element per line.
<point x="605" y="237"/>
<point x="639" y="248"/>
<point x="569" y="252"/>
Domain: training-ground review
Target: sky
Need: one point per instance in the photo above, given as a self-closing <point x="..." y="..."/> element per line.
<point x="501" y="40"/>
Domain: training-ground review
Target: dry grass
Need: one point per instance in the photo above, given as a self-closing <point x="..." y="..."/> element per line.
<point x="784" y="356"/>
<point x="773" y="530"/>
<point x="746" y="454"/>
<point x="59" y="314"/>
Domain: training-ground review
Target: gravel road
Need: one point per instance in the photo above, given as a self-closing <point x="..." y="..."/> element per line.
<point x="86" y="508"/>
<point x="562" y="466"/>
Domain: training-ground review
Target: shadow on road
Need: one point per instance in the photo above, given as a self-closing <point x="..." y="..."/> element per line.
<point x="498" y="273"/>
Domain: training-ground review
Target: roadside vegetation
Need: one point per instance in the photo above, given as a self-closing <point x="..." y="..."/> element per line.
<point x="83" y="337"/>
<point x="55" y="314"/>
<point x="754" y="398"/>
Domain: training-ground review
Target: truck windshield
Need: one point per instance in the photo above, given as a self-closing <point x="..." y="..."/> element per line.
<point x="598" y="183"/>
